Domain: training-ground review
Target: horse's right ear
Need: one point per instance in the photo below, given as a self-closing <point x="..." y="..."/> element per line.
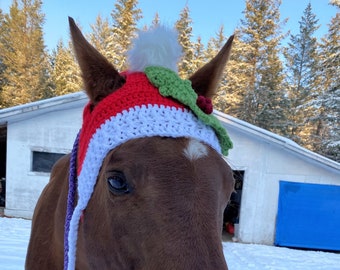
<point x="99" y="75"/>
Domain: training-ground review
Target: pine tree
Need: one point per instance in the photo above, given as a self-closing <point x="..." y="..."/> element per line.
<point x="327" y="137"/>
<point x="264" y="101"/>
<point x="184" y="28"/>
<point x="335" y="3"/>
<point x="231" y="96"/>
<point x="102" y="38"/>
<point x="2" y="65"/>
<point x="2" y="80"/>
<point x="213" y="47"/>
<point x="23" y="53"/>
<point x="198" y="57"/>
<point x="125" y="17"/>
<point x="65" y="71"/>
<point x="302" y="65"/>
<point x="156" y="20"/>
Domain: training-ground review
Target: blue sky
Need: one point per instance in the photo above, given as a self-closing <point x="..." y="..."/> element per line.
<point x="207" y="15"/>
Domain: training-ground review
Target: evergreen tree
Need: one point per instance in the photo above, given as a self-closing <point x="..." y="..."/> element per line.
<point x="302" y="65"/>
<point x="231" y="96"/>
<point x="184" y="28"/>
<point x="65" y="72"/>
<point x="198" y="56"/>
<point x="156" y="20"/>
<point x="264" y="98"/>
<point x="102" y="38"/>
<point x="213" y="47"/>
<point x="23" y="53"/>
<point x="125" y="18"/>
<point x="215" y="43"/>
<point x="327" y="135"/>
<point x="2" y="80"/>
<point x="2" y="65"/>
<point x="335" y="3"/>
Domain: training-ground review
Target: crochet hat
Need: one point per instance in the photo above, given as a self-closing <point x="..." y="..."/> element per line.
<point x="154" y="101"/>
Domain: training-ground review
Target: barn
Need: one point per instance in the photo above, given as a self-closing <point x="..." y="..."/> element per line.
<point x="285" y="194"/>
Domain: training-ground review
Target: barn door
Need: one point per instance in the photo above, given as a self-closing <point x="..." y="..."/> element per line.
<point x="308" y="216"/>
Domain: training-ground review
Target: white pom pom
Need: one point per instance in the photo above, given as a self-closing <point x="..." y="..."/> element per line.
<point x="155" y="47"/>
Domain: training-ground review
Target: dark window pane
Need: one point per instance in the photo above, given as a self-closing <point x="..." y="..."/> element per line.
<point x="44" y="161"/>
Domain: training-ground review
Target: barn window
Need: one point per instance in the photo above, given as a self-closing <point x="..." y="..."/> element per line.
<point x="44" y="161"/>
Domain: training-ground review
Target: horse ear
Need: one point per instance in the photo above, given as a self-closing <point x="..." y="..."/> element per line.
<point x="100" y="78"/>
<point x="205" y="80"/>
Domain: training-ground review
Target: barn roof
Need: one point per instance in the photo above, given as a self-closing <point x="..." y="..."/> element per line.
<point x="79" y="99"/>
<point x="29" y="110"/>
<point x="272" y="138"/>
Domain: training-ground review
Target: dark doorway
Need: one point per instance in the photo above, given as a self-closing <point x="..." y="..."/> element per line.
<point x="232" y="211"/>
<point x="3" y="153"/>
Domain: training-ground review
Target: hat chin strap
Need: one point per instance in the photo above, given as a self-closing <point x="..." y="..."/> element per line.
<point x="72" y="184"/>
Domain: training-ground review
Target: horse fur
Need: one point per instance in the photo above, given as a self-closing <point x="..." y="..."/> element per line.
<point x="172" y="219"/>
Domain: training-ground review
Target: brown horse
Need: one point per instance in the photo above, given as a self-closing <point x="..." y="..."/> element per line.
<point x="157" y="198"/>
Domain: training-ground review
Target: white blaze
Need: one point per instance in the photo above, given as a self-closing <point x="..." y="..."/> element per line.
<point x="195" y="150"/>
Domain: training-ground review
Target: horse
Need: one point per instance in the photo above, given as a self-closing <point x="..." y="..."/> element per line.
<point x="146" y="184"/>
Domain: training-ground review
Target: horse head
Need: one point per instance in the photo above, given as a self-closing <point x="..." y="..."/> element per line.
<point x="152" y="183"/>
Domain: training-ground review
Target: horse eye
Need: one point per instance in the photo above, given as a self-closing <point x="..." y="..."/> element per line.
<point x="118" y="184"/>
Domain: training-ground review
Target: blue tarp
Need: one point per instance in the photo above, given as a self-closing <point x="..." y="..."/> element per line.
<point x="308" y="216"/>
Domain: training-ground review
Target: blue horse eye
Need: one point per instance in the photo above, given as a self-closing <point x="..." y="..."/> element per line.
<point x="118" y="185"/>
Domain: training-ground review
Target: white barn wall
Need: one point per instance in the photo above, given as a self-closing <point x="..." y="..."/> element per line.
<point x="266" y="158"/>
<point x="50" y="132"/>
<point x="265" y="164"/>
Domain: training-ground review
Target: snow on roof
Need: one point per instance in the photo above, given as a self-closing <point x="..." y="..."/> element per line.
<point x="274" y="139"/>
<point x="79" y="99"/>
<point x="20" y="112"/>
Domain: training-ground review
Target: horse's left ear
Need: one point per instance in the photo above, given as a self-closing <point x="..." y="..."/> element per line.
<point x="205" y="80"/>
<point x="99" y="76"/>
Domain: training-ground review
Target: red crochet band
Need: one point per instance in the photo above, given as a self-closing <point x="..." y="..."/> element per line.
<point x="136" y="91"/>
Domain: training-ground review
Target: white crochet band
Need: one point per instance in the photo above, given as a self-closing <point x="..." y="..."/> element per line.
<point x="137" y="122"/>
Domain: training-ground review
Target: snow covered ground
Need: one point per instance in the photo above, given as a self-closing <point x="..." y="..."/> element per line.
<point x="14" y="235"/>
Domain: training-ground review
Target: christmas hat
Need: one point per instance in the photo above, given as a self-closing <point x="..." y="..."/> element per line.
<point x="154" y="101"/>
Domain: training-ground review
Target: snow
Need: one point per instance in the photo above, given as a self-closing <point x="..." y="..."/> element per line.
<point x="14" y="236"/>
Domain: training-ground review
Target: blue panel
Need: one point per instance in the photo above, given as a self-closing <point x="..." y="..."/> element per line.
<point x="308" y="216"/>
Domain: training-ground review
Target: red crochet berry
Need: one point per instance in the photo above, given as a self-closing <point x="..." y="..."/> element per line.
<point x="205" y="104"/>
